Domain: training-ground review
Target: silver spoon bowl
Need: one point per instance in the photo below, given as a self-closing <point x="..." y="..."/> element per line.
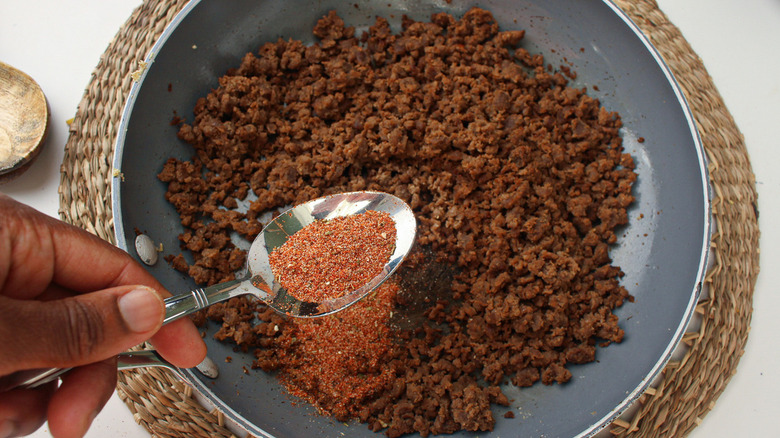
<point x="260" y="281"/>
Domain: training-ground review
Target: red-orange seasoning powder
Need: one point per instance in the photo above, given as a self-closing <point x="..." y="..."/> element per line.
<point x="328" y="259"/>
<point x="339" y="363"/>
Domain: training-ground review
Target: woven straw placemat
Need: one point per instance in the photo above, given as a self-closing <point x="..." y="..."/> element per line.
<point x="688" y="387"/>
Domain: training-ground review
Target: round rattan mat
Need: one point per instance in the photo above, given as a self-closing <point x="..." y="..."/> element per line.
<point x="682" y="395"/>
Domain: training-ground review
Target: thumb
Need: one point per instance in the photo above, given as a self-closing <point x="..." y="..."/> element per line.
<point x="77" y="330"/>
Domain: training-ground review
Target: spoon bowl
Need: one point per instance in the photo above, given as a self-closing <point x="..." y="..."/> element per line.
<point x="260" y="280"/>
<point x="276" y="233"/>
<point x="24" y="120"/>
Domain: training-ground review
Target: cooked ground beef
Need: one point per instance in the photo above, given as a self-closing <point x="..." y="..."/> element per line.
<point x="518" y="182"/>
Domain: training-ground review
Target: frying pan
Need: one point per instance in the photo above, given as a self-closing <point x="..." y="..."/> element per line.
<point x="663" y="250"/>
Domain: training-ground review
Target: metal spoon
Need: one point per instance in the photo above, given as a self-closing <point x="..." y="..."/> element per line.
<point x="260" y="280"/>
<point x="24" y="117"/>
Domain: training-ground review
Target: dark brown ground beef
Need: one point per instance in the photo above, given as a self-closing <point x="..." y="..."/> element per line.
<point x="518" y="182"/>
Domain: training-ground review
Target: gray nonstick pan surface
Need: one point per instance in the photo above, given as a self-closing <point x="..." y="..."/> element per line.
<point x="663" y="255"/>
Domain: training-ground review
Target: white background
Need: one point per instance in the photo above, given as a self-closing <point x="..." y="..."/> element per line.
<point x="59" y="44"/>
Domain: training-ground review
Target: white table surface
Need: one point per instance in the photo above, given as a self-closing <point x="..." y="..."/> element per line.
<point x="59" y="44"/>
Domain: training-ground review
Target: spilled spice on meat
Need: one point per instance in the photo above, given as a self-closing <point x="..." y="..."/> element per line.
<point x="518" y="180"/>
<point x="328" y="259"/>
<point x="340" y="362"/>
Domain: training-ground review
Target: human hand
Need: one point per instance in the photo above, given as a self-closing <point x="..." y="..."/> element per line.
<point x="69" y="299"/>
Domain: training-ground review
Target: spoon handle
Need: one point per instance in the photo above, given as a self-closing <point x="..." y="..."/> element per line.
<point x="29" y="379"/>
<point x="176" y="307"/>
<point x="139" y="359"/>
<point x="185" y="304"/>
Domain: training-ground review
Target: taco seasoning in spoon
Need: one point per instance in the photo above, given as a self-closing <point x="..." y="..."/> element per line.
<point x="328" y="259"/>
